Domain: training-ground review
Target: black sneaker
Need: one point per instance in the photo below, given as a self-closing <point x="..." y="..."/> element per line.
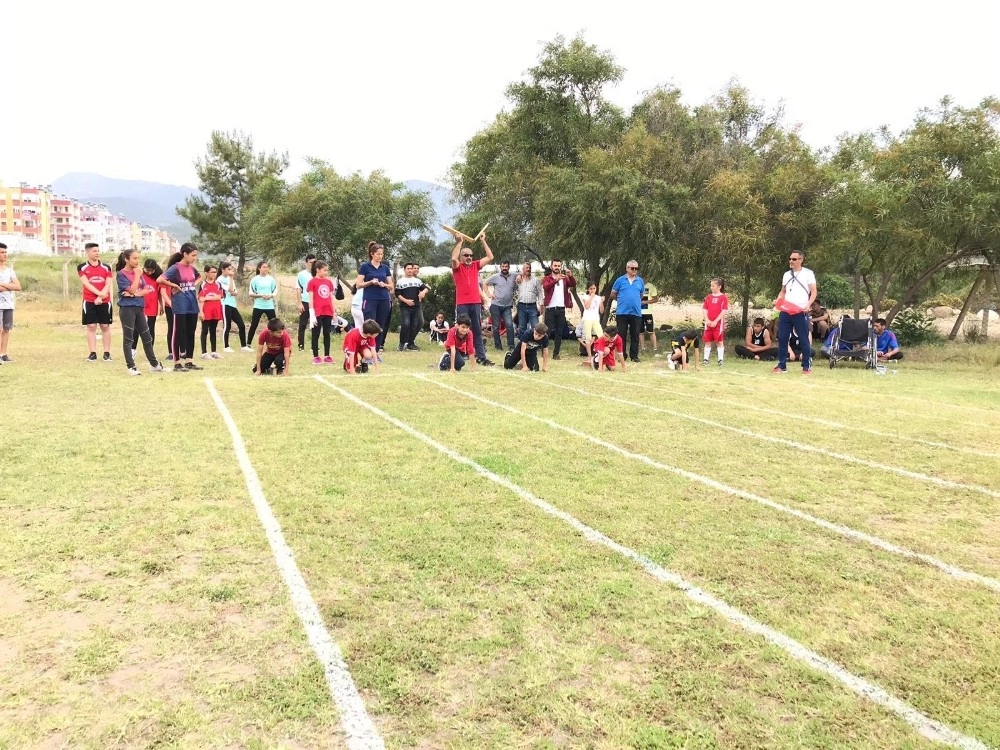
<point x="107" y="356"/>
<point x="413" y="347"/>
<point x="5" y="358"/>
<point x="485" y="362"/>
<point x="179" y="368"/>
<point x="363" y="369"/>
<point x="92" y="357"/>
<point x="192" y="366"/>
<point x="301" y="348"/>
<point x="400" y="348"/>
<point x="636" y="360"/>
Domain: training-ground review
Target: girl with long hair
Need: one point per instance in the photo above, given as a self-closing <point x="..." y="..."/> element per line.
<point x="182" y="277"/>
<point x="263" y="292"/>
<point x="133" y="290"/>
<point x="375" y="277"/>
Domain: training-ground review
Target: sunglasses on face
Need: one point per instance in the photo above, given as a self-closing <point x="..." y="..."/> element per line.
<point x="466" y="255"/>
<point x="633" y="268"/>
<point x="792" y="258"/>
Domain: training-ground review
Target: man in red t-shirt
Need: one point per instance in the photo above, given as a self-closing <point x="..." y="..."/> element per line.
<point x="96" y="278"/>
<point x="360" y="348"/>
<point x="459" y="346"/>
<point x="468" y="292"/>
<point x="607" y="349"/>
<point x="274" y="347"/>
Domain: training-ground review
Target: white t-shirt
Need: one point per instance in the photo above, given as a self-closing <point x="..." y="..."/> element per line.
<point x="797" y="289"/>
<point x="594" y="311"/>
<point x="359" y="298"/>
<point x="558" y="298"/>
<point x="7" y="275"/>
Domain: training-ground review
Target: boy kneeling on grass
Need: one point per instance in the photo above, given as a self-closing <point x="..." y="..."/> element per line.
<point x="681" y="348"/>
<point x="525" y="353"/>
<point x="459" y="346"/>
<point x="608" y="349"/>
<point x="360" y="349"/>
<point x="274" y="349"/>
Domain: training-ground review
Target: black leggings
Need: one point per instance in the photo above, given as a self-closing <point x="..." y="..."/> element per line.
<point x="255" y="319"/>
<point x="134" y="329"/>
<point x="169" y="311"/>
<point x="324" y="322"/>
<point x="303" y="325"/>
<point x="151" y="325"/>
<point x="208" y="329"/>
<point x="182" y="344"/>
<point x="233" y="316"/>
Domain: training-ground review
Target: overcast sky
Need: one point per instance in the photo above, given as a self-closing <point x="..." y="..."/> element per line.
<point x="133" y="89"/>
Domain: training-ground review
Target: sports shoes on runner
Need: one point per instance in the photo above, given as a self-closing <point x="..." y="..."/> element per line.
<point x="363" y="369"/>
<point x="133" y="371"/>
<point x="720" y="363"/>
<point x="6" y="359"/>
<point x="179" y="368"/>
<point x="778" y="371"/>
<point x="413" y="347"/>
<point x="192" y="366"/>
<point x="327" y="360"/>
<point x="400" y="348"/>
<point x="206" y="355"/>
<point x="170" y="358"/>
<point x="671" y="364"/>
<point x="92" y="357"/>
<point x="807" y="372"/>
<point x="317" y="361"/>
<point x="216" y="355"/>
<point x="245" y="349"/>
<point x="484" y="362"/>
<point x="156" y="368"/>
<point x="107" y="356"/>
<point x="228" y="350"/>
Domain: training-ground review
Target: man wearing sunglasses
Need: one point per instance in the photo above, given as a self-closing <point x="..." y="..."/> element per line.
<point x="468" y="294"/>
<point x="798" y="292"/>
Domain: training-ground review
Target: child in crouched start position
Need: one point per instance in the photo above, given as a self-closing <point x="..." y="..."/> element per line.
<point x="360" y="348"/>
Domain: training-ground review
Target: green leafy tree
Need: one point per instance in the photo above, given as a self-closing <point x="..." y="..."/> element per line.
<point x="230" y="179"/>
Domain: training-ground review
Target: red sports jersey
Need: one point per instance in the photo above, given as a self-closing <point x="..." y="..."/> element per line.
<point x="151" y="302"/>
<point x="466" y="346"/>
<point x="354" y="342"/>
<point x="608" y="349"/>
<point x="212" y="309"/>
<point x="98" y="275"/>
<point x="322" y="295"/>
<point x="714" y="306"/>
<point x="275" y="343"/>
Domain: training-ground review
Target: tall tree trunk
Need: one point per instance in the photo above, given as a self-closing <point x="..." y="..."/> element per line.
<point x="857" y="295"/>
<point x="965" y="307"/>
<point x="919" y="284"/>
<point x="746" y="298"/>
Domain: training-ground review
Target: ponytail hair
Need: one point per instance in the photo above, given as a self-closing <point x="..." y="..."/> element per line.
<point x="187" y="248"/>
<point x="173" y="260"/>
<point x="318" y="265"/>
<point x="721" y="282"/>
<point x="372" y="247"/>
<point x="123" y="257"/>
<point x="262" y="263"/>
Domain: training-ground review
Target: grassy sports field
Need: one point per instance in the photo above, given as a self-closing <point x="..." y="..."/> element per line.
<point x="502" y="560"/>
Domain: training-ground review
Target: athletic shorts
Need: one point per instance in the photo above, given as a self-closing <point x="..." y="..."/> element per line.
<point x="714" y="334"/>
<point x="97" y="314"/>
<point x="647" y="324"/>
<point x="7" y="319"/>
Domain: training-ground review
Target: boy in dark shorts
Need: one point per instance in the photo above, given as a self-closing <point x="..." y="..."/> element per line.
<point x="525" y="353"/>
<point x="685" y="347"/>
<point x="274" y="349"/>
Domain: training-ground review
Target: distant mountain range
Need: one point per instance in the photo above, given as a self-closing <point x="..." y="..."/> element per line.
<point x="156" y="203"/>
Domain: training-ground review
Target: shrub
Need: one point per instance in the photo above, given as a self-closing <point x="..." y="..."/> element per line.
<point x="913" y="327"/>
<point x="835" y="291"/>
<point x="440" y="296"/>
<point x="945" y="300"/>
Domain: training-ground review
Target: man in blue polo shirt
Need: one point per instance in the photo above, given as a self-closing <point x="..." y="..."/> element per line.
<point x="885" y="342"/>
<point x="628" y="290"/>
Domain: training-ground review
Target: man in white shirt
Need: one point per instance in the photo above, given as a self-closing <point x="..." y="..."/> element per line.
<point x="798" y="292"/>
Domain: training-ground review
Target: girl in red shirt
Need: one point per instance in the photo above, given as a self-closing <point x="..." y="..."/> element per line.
<point x="153" y="302"/>
<point x="321" y="291"/>
<point x="210" y="300"/>
<point x="715" y="306"/>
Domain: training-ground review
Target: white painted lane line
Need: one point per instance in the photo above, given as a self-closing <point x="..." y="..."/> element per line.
<point x="845" y="531"/>
<point x="359" y="730"/>
<point x="897" y="470"/>
<point x="804" y="418"/>
<point x="926" y="726"/>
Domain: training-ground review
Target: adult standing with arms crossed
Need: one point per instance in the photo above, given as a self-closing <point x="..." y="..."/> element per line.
<point x="557" y="297"/>
<point x="628" y="290"/>
<point x="302" y="281"/>
<point x="529" y="299"/>
<point x="798" y="292"/>
<point x="468" y="295"/>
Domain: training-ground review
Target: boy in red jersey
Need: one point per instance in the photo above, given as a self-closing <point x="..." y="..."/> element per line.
<point x="715" y="306"/>
<point x="97" y="287"/>
<point x="360" y="348"/>
<point x="608" y="349"/>
<point x="459" y="346"/>
<point x="274" y="348"/>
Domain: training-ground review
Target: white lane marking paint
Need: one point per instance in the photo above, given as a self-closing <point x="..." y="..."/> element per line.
<point x="359" y="730"/>
<point x="845" y="531"/>
<point x="897" y="470"/>
<point x="926" y="726"/>
<point x="896" y="396"/>
<point x="281" y="378"/>
<point x="804" y="418"/>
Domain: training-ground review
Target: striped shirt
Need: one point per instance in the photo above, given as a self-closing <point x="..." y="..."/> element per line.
<point x="530" y="292"/>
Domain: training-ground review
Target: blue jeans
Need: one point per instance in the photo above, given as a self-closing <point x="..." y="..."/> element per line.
<point x="496" y="313"/>
<point x="445" y="364"/>
<point x="801" y="323"/>
<point x="475" y="315"/>
<point x="527" y="316"/>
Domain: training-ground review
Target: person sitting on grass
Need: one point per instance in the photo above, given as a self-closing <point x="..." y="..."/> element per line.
<point x="885" y="343"/>
<point x="681" y="349"/>
<point x="525" y="353"/>
<point x="439" y="328"/>
<point x="608" y="350"/>
<point x="274" y="349"/>
<point x="758" y="343"/>
<point x="795" y="346"/>
<point x="821" y="321"/>
<point x="361" y="348"/>
<point x="459" y="346"/>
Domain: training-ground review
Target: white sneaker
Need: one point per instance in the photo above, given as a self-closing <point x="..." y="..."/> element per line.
<point x="671" y="364"/>
<point x="156" y="368"/>
<point x="246" y="349"/>
<point x="228" y="350"/>
<point x="133" y="371"/>
<point x="206" y="355"/>
<point x="215" y="355"/>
